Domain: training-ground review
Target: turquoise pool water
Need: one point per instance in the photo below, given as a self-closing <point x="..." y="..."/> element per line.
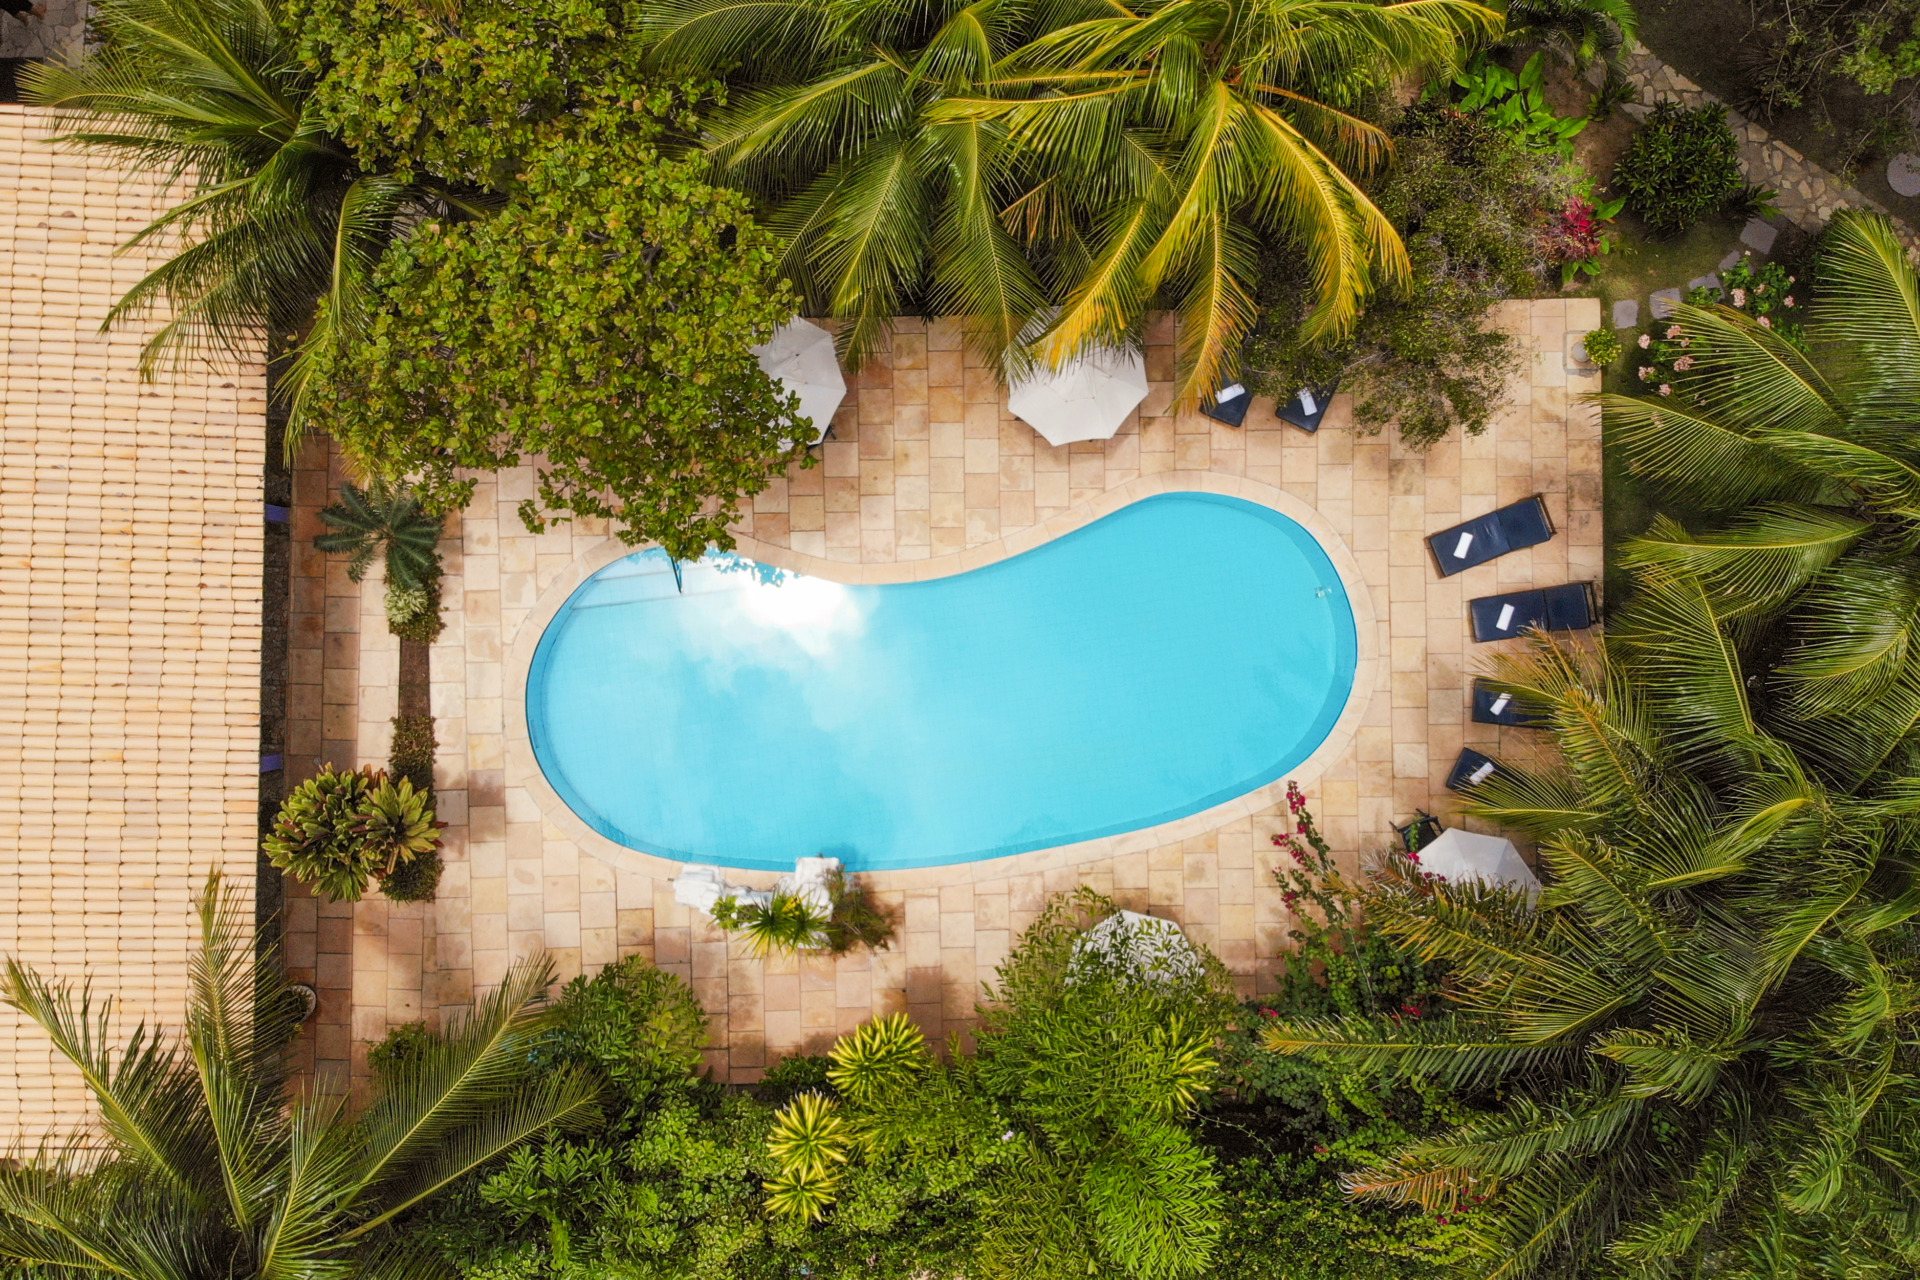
<point x="1175" y="654"/>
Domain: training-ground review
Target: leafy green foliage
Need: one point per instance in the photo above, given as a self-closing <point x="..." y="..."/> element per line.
<point x="599" y="323"/>
<point x="1603" y="347"/>
<point x="1050" y="173"/>
<point x="640" y="1025"/>
<point x="339" y="829"/>
<point x="206" y="1165"/>
<point x="1516" y="104"/>
<point x="412" y="752"/>
<point x="1698" y="1063"/>
<point x="1681" y="166"/>
<point x="1577" y="31"/>
<point x="1466" y="200"/>
<point x="1067" y="1126"/>
<point x="786" y="923"/>
<point x="415" y="880"/>
<point x="405" y="1042"/>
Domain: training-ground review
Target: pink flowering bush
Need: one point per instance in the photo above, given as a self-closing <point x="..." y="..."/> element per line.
<point x="1765" y="292"/>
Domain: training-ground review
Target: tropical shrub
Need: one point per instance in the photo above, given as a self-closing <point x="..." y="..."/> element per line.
<point x="1700" y="1063"/>
<point x="1576" y="236"/>
<point x="339" y="829"/>
<point x="206" y="1165"/>
<point x="639" y="1025"/>
<point x="1603" y="347"/>
<point x="412" y="753"/>
<point x="1681" y="166"/>
<point x="1466" y="199"/>
<point x="1051" y="174"/>
<point x="1577" y="31"/>
<point x="1067" y="1126"/>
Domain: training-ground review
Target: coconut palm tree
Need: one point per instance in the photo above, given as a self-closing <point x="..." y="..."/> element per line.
<point x="280" y="229"/>
<point x="1697" y="1049"/>
<point x="202" y="1169"/>
<point x="1807" y="467"/>
<point x="1050" y="171"/>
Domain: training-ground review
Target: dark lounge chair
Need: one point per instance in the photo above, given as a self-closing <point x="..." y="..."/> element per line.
<point x="1470" y="770"/>
<point x="1495" y="706"/>
<point x="1304" y="409"/>
<point x="1488" y="537"/>
<point x="1419" y="832"/>
<point x="1229" y="405"/>
<point x="1568" y="607"/>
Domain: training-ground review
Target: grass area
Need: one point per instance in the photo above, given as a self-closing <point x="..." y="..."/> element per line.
<point x="1635" y="268"/>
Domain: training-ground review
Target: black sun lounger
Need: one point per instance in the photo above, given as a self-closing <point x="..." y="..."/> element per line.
<point x="1229" y="405"/>
<point x="1568" y="607"/>
<point x="1304" y="409"/>
<point x="1470" y="770"/>
<point x="1496" y="706"/>
<point x="1523" y="524"/>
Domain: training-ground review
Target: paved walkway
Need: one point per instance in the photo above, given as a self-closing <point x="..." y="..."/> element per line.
<point x="924" y="462"/>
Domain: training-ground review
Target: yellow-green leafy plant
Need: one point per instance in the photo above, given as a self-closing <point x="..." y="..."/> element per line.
<point x="341" y="829"/>
<point x="1067" y="1125"/>
<point x="786" y="923"/>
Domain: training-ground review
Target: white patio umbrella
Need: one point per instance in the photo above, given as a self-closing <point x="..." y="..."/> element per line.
<point x="800" y="356"/>
<point x="1457" y="854"/>
<point x="1086" y="399"/>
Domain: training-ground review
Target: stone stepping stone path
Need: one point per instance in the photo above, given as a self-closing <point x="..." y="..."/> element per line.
<point x="1759" y="235"/>
<point x="1664" y="301"/>
<point x="1626" y="314"/>
<point x="1903" y="174"/>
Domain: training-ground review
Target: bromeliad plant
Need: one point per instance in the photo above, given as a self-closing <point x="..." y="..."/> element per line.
<point x="339" y="830"/>
<point x="204" y="1165"/>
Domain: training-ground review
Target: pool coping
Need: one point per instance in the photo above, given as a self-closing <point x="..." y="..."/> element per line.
<point x="524" y="769"/>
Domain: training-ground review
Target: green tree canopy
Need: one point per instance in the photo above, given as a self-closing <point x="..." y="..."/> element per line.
<point x="1049" y="172"/>
<point x="598" y="327"/>
<point x="201" y="1168"/>
<point x="1702" y="1035"/>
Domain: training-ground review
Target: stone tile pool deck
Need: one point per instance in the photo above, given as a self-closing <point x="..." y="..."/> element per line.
<point x="924" y="462"/>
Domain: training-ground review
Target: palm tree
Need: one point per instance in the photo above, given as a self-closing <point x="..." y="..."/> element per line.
<point x="202" y="1170"/>
<point x="388" y="518"/>
<point x="1808" y="469"/>
<point x="1697" y="1051"/>
<point x="281" y="228"/>
<point x="1049" y="172"/>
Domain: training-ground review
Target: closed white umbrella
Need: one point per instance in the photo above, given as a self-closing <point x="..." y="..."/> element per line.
<point x="1456" y="854"/>
<point x="800" y="357"/>
<point x="1086" y="399"/>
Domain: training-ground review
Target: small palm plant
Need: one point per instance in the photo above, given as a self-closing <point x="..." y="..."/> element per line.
<point x="388" y="519"/>
<point x="1701" y="1041"/>
<point x="788" y="922"/>
<point x="202" y="1169"/>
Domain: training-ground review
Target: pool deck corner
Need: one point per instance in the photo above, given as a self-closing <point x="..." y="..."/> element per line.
<point x="925" y="473"/>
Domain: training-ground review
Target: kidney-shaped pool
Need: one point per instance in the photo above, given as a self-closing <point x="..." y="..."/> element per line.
<point x="1173" y="655"/>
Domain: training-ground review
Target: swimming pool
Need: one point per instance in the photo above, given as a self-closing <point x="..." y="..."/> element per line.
<point x="1178" y="653"/>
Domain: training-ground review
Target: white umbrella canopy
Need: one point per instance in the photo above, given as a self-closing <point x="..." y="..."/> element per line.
<point x="800" y="357"/>
<point x="1456" y="854"/>
<point x="1086" y="399"/>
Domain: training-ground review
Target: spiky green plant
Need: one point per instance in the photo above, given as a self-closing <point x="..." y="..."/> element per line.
<point x="877" y="1052"/>
<point x="395" y="824"/>
<point x="388" y="520"/>
<point x="280" y="229"/>
<point x="1702" y="1039"/>
<point x="1807" y="471"/>
<point x="787" y="923"/>
<point x="809" y="1137"/>
<point x="204" y="1165"/>
<point x="1049" y="172"/>
<point x="316" y="838"/>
